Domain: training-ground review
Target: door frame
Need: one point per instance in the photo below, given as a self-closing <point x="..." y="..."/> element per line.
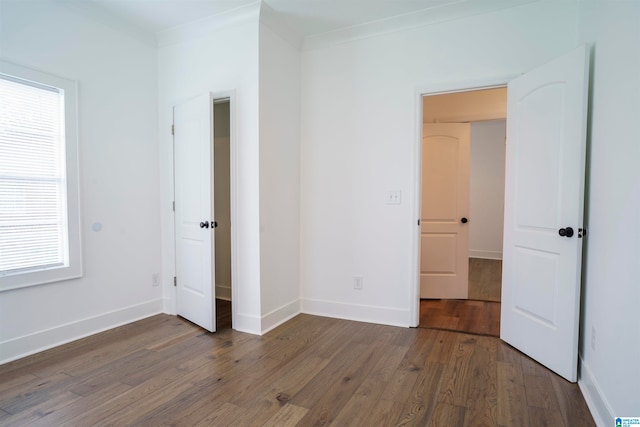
<point x="229" y="95"/>
<point x="420" y="92"/>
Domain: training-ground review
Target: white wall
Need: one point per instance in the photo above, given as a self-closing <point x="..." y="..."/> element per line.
<point x="279" y="102"/>
<point x="116" y="76"/>
<point x="360" y="139"/>
<point x="486" y="200"/>
<point x="217" y="56"/>
<point x="610" y="372"/>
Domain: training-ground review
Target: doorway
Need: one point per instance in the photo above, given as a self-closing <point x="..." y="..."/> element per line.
<point x="543" y="214"/>
<point x="474" y="225"/>
<point x="222" y="212"/>
<point x="204" y="208"/>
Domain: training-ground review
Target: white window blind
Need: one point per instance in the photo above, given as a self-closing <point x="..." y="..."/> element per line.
<point x="33" y="203"/>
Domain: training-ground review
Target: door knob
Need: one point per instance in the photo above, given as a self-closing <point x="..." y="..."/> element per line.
<point x="204" y="224"/>
<point x="464" y="220"/>
<point x="214" y="224"/>
<point x="566" y="232"/>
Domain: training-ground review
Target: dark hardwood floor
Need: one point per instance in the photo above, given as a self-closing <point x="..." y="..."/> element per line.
<point x="480" y="314"/>
<point x="223" y="314"/>
<point x="311" y="371"/>
<point x="473" y="317"/>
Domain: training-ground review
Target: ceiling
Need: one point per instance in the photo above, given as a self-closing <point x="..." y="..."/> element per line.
<point x="305" y="17"/>
<point x="153" y="16"/>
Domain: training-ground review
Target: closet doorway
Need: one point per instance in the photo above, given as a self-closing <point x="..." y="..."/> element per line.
<point x="203" y="171"/>
<point x="222" y="211"/>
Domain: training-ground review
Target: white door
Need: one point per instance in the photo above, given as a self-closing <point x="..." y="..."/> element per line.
<point x="545" y="161"/>
<point x="444" y="228"/>
<point x="193" y="141"/>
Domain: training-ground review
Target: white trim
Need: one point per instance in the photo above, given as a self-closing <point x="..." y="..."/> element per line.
<point x="473" y="253"/>
<point x="429" y="16"/>
<point x="72" y="164"/>
<point x="600" y="408"/>
<point x="414" y="261"/>
<point x="261" y="325"/>
<point x="280" y="315"/>
<point x="361" y="313"/>
<point x="233" y="194"/>
<point x="462" y="86"/>
<point x="247" y="323"/>
<point x="209" y="25"/>
<point x="26" y="345"/>
<point x="420" y="92"/>
<point x="169" y="306"/>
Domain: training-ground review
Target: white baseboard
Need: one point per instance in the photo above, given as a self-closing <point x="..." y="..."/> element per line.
<point x="43" y="340"/>
<point x="169" y="306"/>
<point x="223" y="292"/>
<point x="261" y="325"/>
<point x="600" y="409"/>
<point x="473" y="253"/>
<point x="247" y="323"/>
<point x="360" y="313"/>
<point x="280" y="315"/>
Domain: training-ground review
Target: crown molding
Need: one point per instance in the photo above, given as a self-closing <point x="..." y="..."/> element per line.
<point x="209" y="25"/>
<point x="433" y="15"/>
<point x="273" y="20"/>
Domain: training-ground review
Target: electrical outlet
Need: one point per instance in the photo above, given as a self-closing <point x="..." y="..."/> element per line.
<point x="155" y="279"/>
<point x="394" y="197"/>
<point x="357" y="282"/>
<point x="593" y="337"/>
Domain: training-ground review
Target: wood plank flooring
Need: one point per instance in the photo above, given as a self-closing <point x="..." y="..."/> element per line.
<point x="223" y="314"/>
<point x="311" y="371"/>
<point x="480" y="314"/>
<point x="485" y="279"/>
<point x="474" y="317"/>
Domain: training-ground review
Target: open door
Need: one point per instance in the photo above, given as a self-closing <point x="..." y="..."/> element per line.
<point x="444" y="229"/>
<point x="544" y="192"/>
<point x="193" y="157"/>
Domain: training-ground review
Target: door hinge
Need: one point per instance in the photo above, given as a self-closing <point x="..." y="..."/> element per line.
<point x="174" y="205"/>
<point x="172" y="130"/>
<point x="418" y="222"/>
<point x="175" y="281"/>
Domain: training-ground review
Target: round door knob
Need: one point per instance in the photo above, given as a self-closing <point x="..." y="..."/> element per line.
<point x="204" y="224"/>
<point x="566" y="232"/>
<point x="464" y="220"/>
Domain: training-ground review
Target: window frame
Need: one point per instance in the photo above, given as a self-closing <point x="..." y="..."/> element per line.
<point x="21" y="279"/>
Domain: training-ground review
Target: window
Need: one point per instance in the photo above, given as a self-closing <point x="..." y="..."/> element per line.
<point x="39" y="219"/>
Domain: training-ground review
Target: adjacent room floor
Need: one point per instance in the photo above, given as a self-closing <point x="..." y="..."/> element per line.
<point x="473" y="317"/>
<point x="480" y="314"/>
<point x="223" y="314"/>
<point x="485" y="279"/>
